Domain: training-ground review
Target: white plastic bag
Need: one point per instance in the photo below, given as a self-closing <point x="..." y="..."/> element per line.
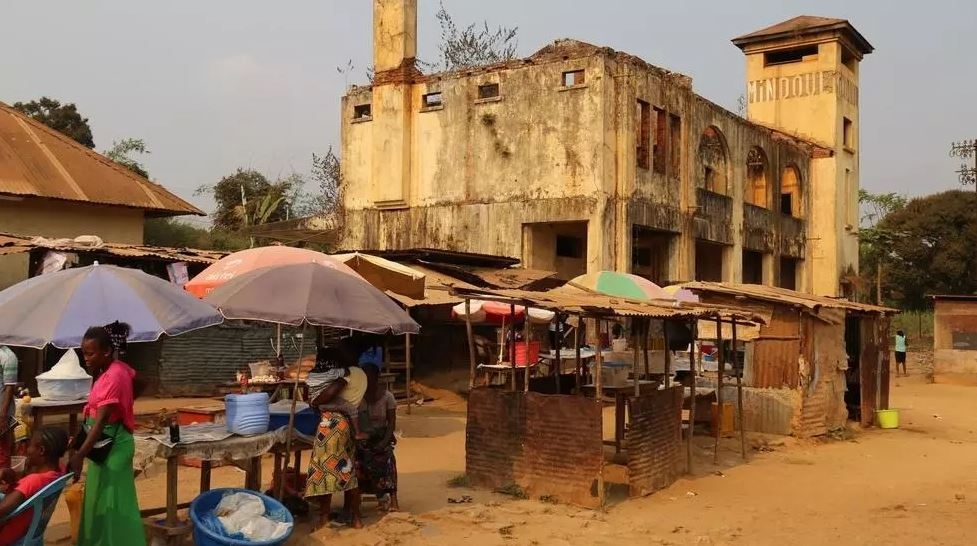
<point x="245" y="513"/>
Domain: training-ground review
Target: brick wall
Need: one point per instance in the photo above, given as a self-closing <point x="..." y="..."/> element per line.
<point x="548" y="445"/>
<point x="654" y="440"/>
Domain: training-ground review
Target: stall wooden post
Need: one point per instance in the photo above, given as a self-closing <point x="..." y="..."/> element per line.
<point x="668" y="356"/>
<point x="694" y="326"/>
<point x="291" y="422"/>
<point x="645" y="334"/>
<point x="599" y="400"/>
<point x="171" y="493"/>
<point x="576" y="347"/>
<point x="471" y="344"/>
<point x="407" y="349"/>
<point x="511" y="345"/>
<point x="635" y="326"/>
<point x="721" y="365"/>
<point x="738" y="369"/>
<point x="525" y="335"/>
<point x="559" y="348"/>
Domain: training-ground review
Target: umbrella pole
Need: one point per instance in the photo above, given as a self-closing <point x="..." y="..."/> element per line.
<point x="635" y="325"/>
<point x="291" y="419"/>
<point x="471" y="344"/>
<point x="668" y="356"/>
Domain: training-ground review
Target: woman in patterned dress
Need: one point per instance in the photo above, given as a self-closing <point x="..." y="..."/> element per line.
<point x="336" y="390"/>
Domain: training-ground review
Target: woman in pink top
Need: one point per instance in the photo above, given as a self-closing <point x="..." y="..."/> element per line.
<point x="110" y="510"/>
<point x="44" y="453"/>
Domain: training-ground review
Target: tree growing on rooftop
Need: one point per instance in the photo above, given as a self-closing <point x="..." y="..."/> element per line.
<point x="63" y="118"/>
<point x="473" y="45"/>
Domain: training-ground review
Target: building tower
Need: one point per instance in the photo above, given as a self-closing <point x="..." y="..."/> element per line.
<point x="802" y="79"/>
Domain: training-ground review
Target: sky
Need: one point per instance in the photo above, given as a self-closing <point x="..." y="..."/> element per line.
<point x="219" y="84"/>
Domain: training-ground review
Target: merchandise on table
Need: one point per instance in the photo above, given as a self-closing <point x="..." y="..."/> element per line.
<point x="66" y="380"/>
<point x="247" y="414"/>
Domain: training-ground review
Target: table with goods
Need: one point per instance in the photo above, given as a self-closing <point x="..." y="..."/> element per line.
<point x="251" y="428"/>
<point x="63" y="390"/>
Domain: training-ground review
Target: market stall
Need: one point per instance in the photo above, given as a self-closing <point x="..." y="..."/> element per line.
<point x="553" y="444"/>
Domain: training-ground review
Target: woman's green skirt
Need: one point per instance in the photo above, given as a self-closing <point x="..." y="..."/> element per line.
<point x="110" y="511"/>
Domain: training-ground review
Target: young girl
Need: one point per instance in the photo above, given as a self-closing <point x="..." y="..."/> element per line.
<point x="44" y="453"/>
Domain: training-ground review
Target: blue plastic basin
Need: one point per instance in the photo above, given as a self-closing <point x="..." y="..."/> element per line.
<point x="206" y="502"/>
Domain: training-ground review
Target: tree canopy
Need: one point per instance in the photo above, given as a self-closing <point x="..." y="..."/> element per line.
<point x="247" y="198"/>
<point x="121" y="152"/>
<point x="928" y="246"/>
<point x="63" y="118"/>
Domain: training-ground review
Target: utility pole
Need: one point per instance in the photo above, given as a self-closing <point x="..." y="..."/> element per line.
<point x="965" y="149"/>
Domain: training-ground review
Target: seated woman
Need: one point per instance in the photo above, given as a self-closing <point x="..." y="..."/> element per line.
<point x="376" y="464"/>
<point x="44" y="453"/>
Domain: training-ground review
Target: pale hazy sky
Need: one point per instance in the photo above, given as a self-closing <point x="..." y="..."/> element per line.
<point x="212" y="85"/>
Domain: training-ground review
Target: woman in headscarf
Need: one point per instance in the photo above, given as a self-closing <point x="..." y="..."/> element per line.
<point x="110" y="510"/>
<point x="375" y="456"/>
<point x="337" y="390"/>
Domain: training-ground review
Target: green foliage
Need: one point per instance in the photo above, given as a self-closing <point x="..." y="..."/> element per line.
<point x="928" y="247"/>
<point x="240" y="197"/>
<point x="174" y="233"/>
<point x="121" y="151"/>
<point x="461" y="480"/>
<point x="874" y="241"/>
<point x="327" y="174"/>
<point x="63" y="118"/>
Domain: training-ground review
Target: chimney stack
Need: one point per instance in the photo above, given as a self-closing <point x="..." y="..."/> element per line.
<point x="394" y="33"/>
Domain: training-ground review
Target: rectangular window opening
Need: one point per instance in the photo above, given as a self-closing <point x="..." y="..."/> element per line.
<point x="644" y="135"/>
<point x="675" y="143"/>
<point x="362" y="111"/>
<point x="848" y="133"/>
<point x="488" y="91"/>
<point x="573" y="77"/>
<point x="659" y="146"/>
<point x="568" y="246"/>
<point x="432" y="100"/>
<point x="787" y="56"/>
<point x="787" y="204"/>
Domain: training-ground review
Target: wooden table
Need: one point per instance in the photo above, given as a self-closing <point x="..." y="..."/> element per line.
<point x="501" y="370"/>
<point x="39" y="408"/>
<point x="620" y="394"/>
<point x="171" y="529"/>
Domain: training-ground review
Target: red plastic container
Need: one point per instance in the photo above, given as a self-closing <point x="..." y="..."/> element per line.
<point x="520" y="350"/>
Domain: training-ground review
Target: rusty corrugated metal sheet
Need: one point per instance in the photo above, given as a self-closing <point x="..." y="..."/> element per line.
<point x="546" y="444"/>
<point x="775" y="294"/>
<point x="16" y="244"/>
<point x="775" y="364"/>
<point x="36" y="161"/>
<point x="770" y="411"/>
<point x="654" y="441"/>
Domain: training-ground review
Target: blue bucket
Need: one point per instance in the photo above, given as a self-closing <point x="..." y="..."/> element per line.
<point x="205" y="504"/>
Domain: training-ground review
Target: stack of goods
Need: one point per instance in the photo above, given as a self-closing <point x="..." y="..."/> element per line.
<point x="67" y="380"/>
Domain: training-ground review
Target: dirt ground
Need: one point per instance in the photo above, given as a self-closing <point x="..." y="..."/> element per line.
<point x="914" y="485"/>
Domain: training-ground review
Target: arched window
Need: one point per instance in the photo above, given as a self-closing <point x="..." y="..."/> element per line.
<point x="757" y="190"/>
<point x="790" y="192"/>
<point x="713" y="172"/>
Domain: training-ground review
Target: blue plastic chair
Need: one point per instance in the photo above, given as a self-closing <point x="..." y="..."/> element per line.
<point x="43" y="502"/>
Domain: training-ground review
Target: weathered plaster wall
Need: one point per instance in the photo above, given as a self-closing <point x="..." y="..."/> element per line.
<point x="49" y="218"/>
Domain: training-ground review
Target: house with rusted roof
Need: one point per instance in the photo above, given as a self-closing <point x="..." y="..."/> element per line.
<point x="579" y="158"/>
<point x="53" y="187"/>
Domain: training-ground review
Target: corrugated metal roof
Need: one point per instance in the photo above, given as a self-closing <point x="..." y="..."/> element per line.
<point x="37" y="161"/>
<point x="785" y="296"/>
<point x="17" y="244"/>
<point x="431" y="298"/>
<point x="572" y="300"/>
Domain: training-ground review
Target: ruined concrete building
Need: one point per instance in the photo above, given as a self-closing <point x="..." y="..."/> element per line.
<point x="580" y="158"/>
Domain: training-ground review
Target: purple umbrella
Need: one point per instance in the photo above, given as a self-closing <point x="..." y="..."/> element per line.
<point x="308" y="293"/>
<point x="57" y="308"/>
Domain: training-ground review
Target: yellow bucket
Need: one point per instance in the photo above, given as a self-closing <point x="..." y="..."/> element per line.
<point x="887" y="418"/>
